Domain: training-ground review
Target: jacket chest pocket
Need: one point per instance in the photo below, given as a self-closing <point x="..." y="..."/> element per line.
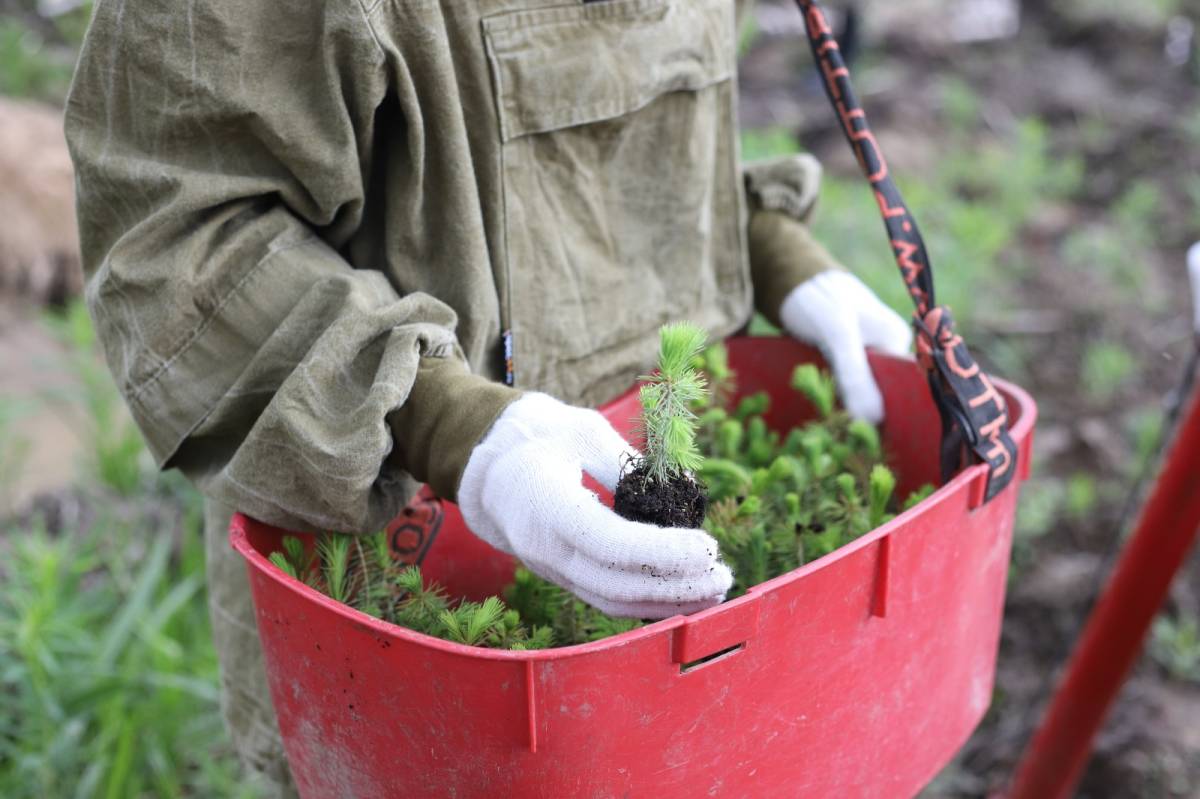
<point x="619" y="178"/>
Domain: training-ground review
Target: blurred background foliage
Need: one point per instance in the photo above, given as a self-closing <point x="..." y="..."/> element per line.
<point x="1055" y="172"/>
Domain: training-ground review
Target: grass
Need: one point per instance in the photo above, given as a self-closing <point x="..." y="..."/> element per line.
<point x="1113" y="248"/>
<point x="1082" y="495"/>
<point x="115" y="455"/>
<point x="14" y="447"/>
<point x="107" y="668"/>
<point x="28" y="66"/>
<point x="37" y="54"/>
<point x="1175" y="645"/>
<point x="108" y="675"/>
<point x="1107" y="366"/>
<point x="971" y="209"/>
<point x="1150" y="14"/>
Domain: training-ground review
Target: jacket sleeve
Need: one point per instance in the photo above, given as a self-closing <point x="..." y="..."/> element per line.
<point x="222" y="153"/>
<point x="780" y="196"/>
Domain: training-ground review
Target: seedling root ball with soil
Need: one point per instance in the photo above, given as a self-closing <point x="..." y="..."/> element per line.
<point x="679" y="502"/>
<point x="661" y="488"/>
<point x="773" y="502"/>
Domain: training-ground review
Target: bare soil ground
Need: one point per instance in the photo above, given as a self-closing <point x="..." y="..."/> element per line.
<point x="39" y="243"/>
<point x="39" y="266"/>
<point x="45" y="431"/>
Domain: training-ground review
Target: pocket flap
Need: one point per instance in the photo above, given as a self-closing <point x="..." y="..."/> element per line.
<point x="569" y="65"/>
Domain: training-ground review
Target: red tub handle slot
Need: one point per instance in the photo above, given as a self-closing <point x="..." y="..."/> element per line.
<point x="883" y="578"/>
<point x="715" y="632"/>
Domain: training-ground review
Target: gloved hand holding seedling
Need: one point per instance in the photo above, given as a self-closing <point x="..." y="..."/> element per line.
<point x="778" y="501"/>
<point x="522" y="493"/>
<point x="661" y="488"/>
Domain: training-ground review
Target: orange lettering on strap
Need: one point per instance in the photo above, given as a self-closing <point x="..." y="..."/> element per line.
<point x="910" y="268"/>
<point x="998" y="448"/>
<point x="865" y="135"/>
<point x="992" y="431"/>
<point x="848" y="114"/>
<point x="885" y="209"/>
<point x="859" y="138"/>
<point x="817" y="20"/>
<point x="989" y="394"/>
<point x="952" y="360"/>
<point x="831" y="76"/>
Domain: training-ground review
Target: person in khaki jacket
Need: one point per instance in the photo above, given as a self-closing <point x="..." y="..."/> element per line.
<point x="335" y="249"/>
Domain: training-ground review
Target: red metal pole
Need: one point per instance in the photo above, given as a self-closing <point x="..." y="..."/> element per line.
<point x="1112" y="640"/>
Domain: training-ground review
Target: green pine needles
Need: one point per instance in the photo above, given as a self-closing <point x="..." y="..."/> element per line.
<point x="780" y="501"/>
<point x="668" y="423"/>
<point x="773" y="501"/>
<point x="361" y="572"/>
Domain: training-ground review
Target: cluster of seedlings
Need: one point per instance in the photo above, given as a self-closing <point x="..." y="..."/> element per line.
<point x="363" y="573"/>
<point x="773" y="502"/>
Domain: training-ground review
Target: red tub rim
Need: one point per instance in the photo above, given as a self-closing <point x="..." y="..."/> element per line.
<point x="971" y="480"/>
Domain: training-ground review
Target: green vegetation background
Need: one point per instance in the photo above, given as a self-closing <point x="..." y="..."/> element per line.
<point x="108" y="678"/>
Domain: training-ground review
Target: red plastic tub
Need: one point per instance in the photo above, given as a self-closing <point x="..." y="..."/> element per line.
<point x="856" y="675"/>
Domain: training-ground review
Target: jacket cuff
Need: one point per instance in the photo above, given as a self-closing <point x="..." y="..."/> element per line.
<point x="447" y="413"/>
<point x="781" y="193"/>
<point x="788" y="184"/>
<point x="783" y="254"/>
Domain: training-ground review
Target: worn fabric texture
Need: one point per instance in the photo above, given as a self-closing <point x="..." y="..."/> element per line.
<point x="286" y="209"/>
<point x="434" y="434"/>
<point x="781" y="194"/>
<point x="783" y="255"/>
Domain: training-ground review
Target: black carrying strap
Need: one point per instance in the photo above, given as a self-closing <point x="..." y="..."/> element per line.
<point x="974" y="415"/>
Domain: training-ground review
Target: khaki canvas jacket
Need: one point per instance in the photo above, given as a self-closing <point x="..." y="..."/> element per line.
<point x="285" y="206"/>
<point x="302" y="221"/>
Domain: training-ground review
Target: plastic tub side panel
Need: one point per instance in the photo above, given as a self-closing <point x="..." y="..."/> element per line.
<point x="859" y="675"/>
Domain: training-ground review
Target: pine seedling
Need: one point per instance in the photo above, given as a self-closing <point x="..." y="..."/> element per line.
<point x="537" y="600"/>
<point x="334" y="551"/>
<point x="293" y="548"/>
<point x="372" y="563"/>
<point x="761" y="443"/>
<point x="714" y="363"/>
<point x="283" y="564"/>
<point x="848" y="489"/>
<point x="418" y="607"/>
<point x="775" y="505"/>
<point x="472" y="622"/>
<point x="729" y="438"/>
<point x="819" y="544"/>
<point x="380" y="550"/>
<point x="880" y="486"/>
<point x="918" y="496"/>
<point x="865" y="438"/>
<point x="661" y="488"/>
<point x="752" y="405"/>
<point x="668" y="424"/>
<point x="757" y="563"/>
<point x="299" y="561"/>
<point x="724" y="477"/>
<point x="539" y="638"/>
<point x="819" y="388"/>
<point x="409" y="581"/>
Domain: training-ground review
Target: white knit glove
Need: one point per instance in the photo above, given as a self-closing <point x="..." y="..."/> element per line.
<point x="835" y="312"/>
<point x="521" y="492"/>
